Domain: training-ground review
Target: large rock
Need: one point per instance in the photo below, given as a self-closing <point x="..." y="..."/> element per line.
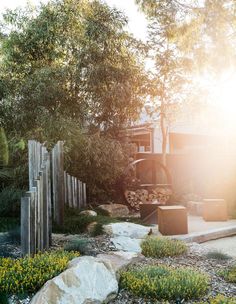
<point x="131" y="230"/>
<point x="119" y="259"/>
<point x="128" y="236"/>
<point x="87" y="280"/>
<point x="127" y="244"/>
<point x="115" y="210"/>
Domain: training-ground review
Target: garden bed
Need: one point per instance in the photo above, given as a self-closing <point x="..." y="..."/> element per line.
<point x="194" y="258"/>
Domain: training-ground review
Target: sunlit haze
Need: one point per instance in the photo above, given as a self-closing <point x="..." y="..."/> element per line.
<point x="222" y="94"/>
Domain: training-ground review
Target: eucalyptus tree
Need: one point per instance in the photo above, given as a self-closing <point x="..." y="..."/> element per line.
<point x="70" y="60"/>
<point x="188" y="38"/>
<point x="171" y="66"/>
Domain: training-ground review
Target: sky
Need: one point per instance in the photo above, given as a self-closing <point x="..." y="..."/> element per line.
<point x="137" y="22"/>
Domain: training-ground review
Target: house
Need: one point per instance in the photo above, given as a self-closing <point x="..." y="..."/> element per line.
<point x="185" y="134"/>
<point x="199" y="158"/>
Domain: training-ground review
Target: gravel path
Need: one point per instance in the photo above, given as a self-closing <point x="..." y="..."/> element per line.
<point x="9" y="248"/>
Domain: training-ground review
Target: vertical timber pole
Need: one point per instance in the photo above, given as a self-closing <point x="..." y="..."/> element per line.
<point x="25" y="226"/>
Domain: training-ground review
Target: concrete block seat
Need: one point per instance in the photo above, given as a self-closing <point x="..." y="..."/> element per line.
<point x="149" y="213"/>
<point x="172" y="220"/>
<point x="215" y="210"/>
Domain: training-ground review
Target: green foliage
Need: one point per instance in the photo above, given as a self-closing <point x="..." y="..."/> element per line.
<point x="3" y="299"/>
<point x="29" y="274"/>
<point x="97" y="230"/>
<point x="10" y="201"/>
<point x="69" y="59"/>
<point x="220" y="299"/>
<point x="18" y="162"/>
<point x="229" y="274"/>
<point x="159" y="247"/>
<point x="5" y="174"/>
<point x="217" y="255"/>
<point x="77" y="244"/>
<point x="7" y="224"/>
<point x="100" y="163"/>
<point x="76" y="224"/>
<point x="4" y="153"/>
<point x="14" y="235"/>
<point x="161" y="282"/>
<point x="201" y="30"/>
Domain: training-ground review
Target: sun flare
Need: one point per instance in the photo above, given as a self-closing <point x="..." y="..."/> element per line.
<point x="221" y="93"/>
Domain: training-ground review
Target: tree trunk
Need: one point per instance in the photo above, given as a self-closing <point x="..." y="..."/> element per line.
<point x="164" y="133"/>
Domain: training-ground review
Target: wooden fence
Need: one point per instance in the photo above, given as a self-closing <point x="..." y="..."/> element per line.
<point x="36" y="204"/>
<point x="50" y="188"/>
<point x="75" y="191"/>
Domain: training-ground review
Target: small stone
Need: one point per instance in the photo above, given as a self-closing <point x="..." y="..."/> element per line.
<point x="88" y="212"/>
<point x="91" y="227"/>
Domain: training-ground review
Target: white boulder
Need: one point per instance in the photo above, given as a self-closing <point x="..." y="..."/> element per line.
<point x="127" y="244"/>
<point x="126" y="229"/>
<point x="87" y="280"/>
<point x="119" y="259"/>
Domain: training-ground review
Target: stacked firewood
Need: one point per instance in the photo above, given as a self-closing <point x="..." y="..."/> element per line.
<point x="158" y="195"/>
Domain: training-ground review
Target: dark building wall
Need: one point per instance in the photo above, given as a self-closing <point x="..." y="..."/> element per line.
<point x="206" y="174"/>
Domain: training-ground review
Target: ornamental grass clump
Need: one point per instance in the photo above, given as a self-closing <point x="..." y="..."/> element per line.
<point x="229" y="274"/>
<point x="27" y="275"/>
<point x="217" y="255"/>
<point x="78" y="244"/>
<point x="165" y="283"/>
<point x="159" y="247"/>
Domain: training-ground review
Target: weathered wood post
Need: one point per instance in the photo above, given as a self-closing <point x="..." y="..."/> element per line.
<point x="48" y="182"/>
<point x="58" y="183"/>
<point x="25" y="226"/>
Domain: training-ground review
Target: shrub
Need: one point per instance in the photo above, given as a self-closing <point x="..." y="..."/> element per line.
<point x="80" y="245"/>
<point x="26" y="275"/>
<point x="7" y="224"/>
<point x="229" y="274"/>
<point x="13" y="236"/>
<point x="101" y="164"/>
<point x="10" y="201"/>
<point x="162" y="282"/>
<point x="161" y="247"/>
<point x="217" y="255"/>
<point x="220" y="299"/>
<point x="97" y="230"/>
<point x="75" y="223"/>
<point x="4" y="153"/>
